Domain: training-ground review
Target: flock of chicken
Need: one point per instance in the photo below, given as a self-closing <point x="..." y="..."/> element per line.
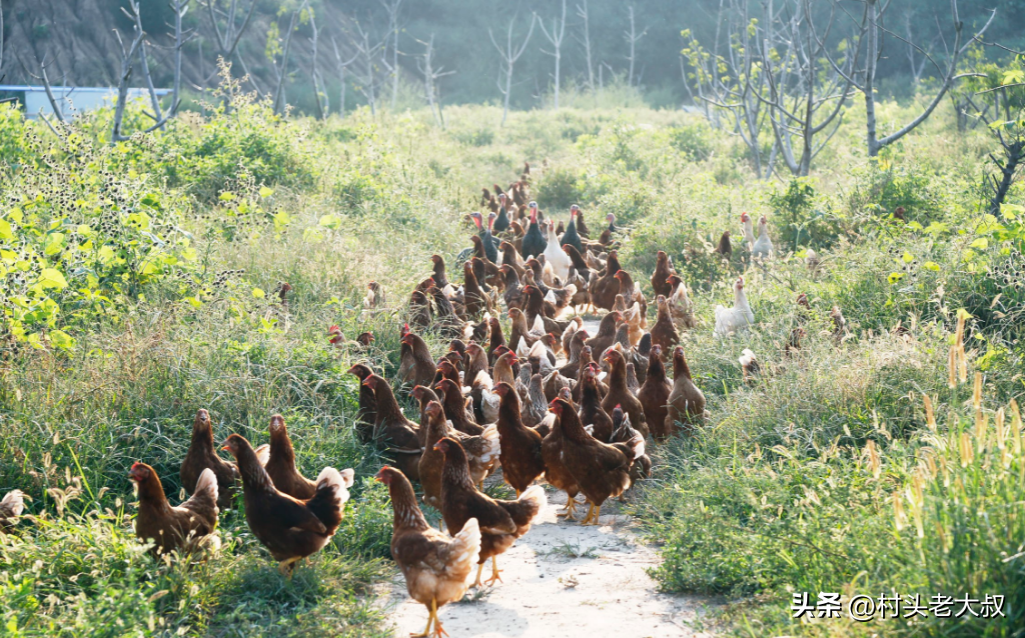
<point x="549" y="401"/>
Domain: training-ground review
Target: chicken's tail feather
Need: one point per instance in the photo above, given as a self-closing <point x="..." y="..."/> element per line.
<point x="207" y="484"/>
<point x="263" y="454"/>
<point x="338" y="482"/>
<point x="14" y="503"/>
<point x="466" y="548"/>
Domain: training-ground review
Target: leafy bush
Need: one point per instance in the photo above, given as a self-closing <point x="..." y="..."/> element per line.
<point x="694" y="141"/>
<point x="81" y="236"/>
<point x="202" y="154"/>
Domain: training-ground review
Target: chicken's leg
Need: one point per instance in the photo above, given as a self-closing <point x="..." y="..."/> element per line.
<point x="594" y="516"/>
<point x="495" y="571"/>
<point x="590" y="512"/>
<point x="570" y="509"/>
<point x="480" y="568"/>
<point x="432" y="618"/>
<point x="287" y="566"/>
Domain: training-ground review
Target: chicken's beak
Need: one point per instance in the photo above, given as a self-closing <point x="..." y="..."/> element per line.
<point x="226" y="448"/>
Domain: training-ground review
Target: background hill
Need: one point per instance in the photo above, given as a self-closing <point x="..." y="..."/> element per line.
<point x="78" y="36"/>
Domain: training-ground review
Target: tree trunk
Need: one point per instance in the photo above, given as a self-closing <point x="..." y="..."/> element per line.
<point x="1012" y="158"/>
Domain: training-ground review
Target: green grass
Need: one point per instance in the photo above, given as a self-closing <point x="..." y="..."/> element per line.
<point x="778" y="493"/>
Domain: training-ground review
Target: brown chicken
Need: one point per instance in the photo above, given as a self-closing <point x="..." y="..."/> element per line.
<point x="201" y="455"/>
<point x="505" y="368"/>
<point x="393" y="430"/>
<point x="496" y="340"/>
<point x="501" y="522"/>
<point x="436" y="566"/>
<point x="367" y="413"/>
<point x="606" y="287"/>
<point x="686" y="401"/>
<point x="555" y="470"/>
<point x="185" y="527"/>
<point x="661" y="274"/>
<point x="663" y="333"/>
<point x="481" y="452"/>
<point x="601" y="470"/>
<point x="439" y="276"/>
<point x="291" y="529"/>
<point x="591" y="412"/>
<point x="619" y="393"/>
<point x="280" y="464"/>
<point x="455" y="408"/>
<point x="606" y="335"/>
<point x="416" y="365"/>
<point x="724" y="249"/>
<point x="521" y="446"/>
<point x="654" y="394"/>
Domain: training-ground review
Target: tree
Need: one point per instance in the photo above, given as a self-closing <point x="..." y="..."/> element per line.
<point x="181" y="36"/>
<point x="227" y="39"/>
<point x="322" y="102"/>
<point x="278" y="53"/>
<point x="632" y="37"/>
<point x="1001" y="89"/>
<point x="868" y="29"/>
<point x="555" y="37"/>
<point x="800" y="85"/>
<point x="392" y="7"/>
<point x="127" y="55"/>
<point x="510" y="54"/>
<point x="367" y="76"/>
<point x="341" y="66"/>
<point x="583" y="14"/>
<point x="426" y="66"/>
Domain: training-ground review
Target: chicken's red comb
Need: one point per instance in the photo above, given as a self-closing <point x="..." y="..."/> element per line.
<point x="619" y="406"/>
<point x="334" y="328"/>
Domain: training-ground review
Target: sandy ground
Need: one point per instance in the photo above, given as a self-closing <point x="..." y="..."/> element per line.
<point x="565" y="580"/>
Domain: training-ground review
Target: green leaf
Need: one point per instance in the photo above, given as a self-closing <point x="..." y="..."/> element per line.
<point x="106" y="254"/>
<point x="931" y="265"/>
<point x="895" y="277"/>
<point x="61" y="340"/>
<point x="981" y="243"/>
<point x="907" y="257"/>
<point x="963" y="314"/>
<point x="5" y="230"/>
<point x="259" y="294"/>
<point x="266" y="192"/>
<point x="226" y="196"/>
<point x="52" y="278"/>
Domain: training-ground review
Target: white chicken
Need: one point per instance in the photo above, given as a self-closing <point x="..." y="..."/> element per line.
<point x="749" y="233"/>
<point x="555" y="255"/>
<point x="736" y="319"/>
<point x="489" y="400"/>
<point x="762" y="248"/>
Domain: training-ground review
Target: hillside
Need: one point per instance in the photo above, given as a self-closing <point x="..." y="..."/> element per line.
<point x="144" y="281"/>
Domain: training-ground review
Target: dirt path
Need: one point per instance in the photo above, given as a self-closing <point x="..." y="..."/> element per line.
<point x="567" y="581"/>
<point x="564" y="580"/>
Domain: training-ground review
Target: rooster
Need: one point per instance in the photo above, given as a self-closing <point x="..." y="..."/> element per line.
<point x="736" y="319"/>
